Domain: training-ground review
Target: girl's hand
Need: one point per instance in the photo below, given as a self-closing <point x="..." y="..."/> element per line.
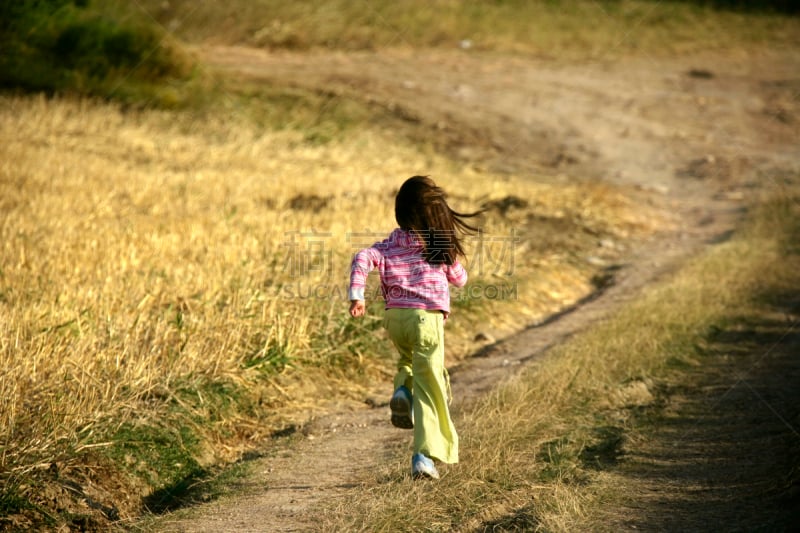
<point x="357" y="308"/>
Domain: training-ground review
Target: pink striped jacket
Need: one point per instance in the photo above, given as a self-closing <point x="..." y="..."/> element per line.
<point x="407" y="280"/>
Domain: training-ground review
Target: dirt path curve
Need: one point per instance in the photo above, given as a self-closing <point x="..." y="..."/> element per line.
<point x="695" y="142"/>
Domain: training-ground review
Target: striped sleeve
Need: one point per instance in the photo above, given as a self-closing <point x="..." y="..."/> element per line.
<point x="456" y="274"/>
<point x="363" y="263"/>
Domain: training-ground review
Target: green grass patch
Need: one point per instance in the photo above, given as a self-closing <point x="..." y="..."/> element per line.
<point x="161" y="453"/>
<point x="103" y="49"/>
<point x="169" y="454"/>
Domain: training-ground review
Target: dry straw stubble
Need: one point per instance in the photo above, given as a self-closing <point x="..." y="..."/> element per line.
<point x="147" y="253"/>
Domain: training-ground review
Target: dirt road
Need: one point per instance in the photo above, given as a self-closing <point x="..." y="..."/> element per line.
<point x="695" y="135"/>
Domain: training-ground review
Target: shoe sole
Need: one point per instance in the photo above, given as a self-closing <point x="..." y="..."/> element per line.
<point x="424" y="473"/>
<point x="401" y="413"/>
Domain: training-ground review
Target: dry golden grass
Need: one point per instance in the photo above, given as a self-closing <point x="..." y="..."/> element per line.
<point x="530" y="450"/>
<point x="149" y="258"/>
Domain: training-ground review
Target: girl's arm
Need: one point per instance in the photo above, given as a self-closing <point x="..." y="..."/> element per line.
<point x="456" y="274"/>
<point x="363" y="263"/>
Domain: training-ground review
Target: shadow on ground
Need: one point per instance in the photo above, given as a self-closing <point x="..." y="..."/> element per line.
<point x="724" y="454"/>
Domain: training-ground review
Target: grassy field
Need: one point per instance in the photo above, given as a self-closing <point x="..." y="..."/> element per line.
<point x="165" y="282"/>
<point x="131" y="52"/>
<point x="557" y="29"/>
<point x="172" y="281"/>
<point x="540" y="453"/>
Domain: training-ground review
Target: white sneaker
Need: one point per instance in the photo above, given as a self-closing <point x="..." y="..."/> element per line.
<point x="422" y="467"/>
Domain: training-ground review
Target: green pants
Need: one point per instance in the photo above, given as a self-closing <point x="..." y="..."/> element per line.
<point x="419" y="337"/>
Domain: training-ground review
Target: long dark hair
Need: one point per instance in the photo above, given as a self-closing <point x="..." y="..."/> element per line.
<point x="421" y="207"/>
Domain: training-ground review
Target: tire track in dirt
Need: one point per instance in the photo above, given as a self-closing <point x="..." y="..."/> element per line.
<point x="636" y="123"/>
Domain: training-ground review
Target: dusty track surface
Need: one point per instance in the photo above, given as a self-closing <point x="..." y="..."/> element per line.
<point x="695" y="136"/>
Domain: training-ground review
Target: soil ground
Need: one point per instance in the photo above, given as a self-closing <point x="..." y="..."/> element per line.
<point x="694" y="135"/>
